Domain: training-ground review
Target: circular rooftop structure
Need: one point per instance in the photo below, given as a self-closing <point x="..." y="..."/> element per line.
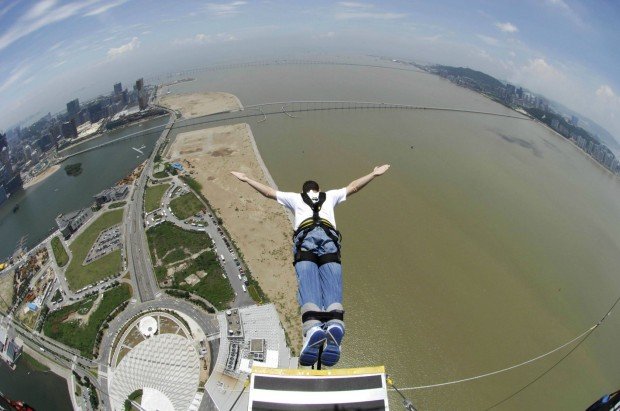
<point x="148" y="326"/>
<point x="157" y="354"/>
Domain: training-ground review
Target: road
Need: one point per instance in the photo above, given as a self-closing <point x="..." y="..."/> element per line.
<point x="242" y="298"/>
<point x="136" y="246"/>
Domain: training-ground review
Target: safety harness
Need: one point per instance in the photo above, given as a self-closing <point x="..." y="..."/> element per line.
<point x="323" y="316"/>
<point x="308" y="225"/>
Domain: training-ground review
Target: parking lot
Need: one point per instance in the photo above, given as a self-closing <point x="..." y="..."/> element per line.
<point x="107" y="241"/>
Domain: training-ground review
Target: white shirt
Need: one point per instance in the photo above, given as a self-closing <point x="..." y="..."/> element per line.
<point x="302" y="211"/>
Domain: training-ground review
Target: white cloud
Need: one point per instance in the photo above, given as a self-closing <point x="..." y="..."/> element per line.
<point x="567" y="11"/>
<point x="328" y="35"/>
<point x="104" y="8"/>
<point x="431" y="39"/>
<point x="541" y="70"/>
<point x="125" y="48"/>
<point x="15" y="74"/>
<point x="201" y="38"/>
<point x="39" y="9"/>
<point x="368" y="15"/>
<point x="40" y="15"/>
<point x="506" y="27"/>
<point x="56" y="45"/>
<point x="8" y="8"/>
<point x="355" y="5"/>
<point x="605" y="92"/>
<point x="225" y="9"/>
<point x="492" y="41"/>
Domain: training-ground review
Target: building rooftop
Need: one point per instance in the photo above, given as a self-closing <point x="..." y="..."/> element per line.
<point x="261" y="326"/>
<point x="166" y="363"/>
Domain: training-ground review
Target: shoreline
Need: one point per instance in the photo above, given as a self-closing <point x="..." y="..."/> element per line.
<point x="535" y="120"/>
<point x="271" y="182"/>
<point x="41" y="176"/>
<point x="55" y="368"/>
<point x="103" y="134"/>
<point x="259" y="226"/>
<point x="198" y="104"/>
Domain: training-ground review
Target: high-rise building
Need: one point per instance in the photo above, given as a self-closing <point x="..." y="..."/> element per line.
<point x="142" y="98"/>
<point x="96" y="112"/>
<point x="73" y="107"/>
<point x="45" y="143"/>
<point x="142" y="102"/>
<point x="10" y="180"/>
<point x="3" y="195"/>
<point x="27" y="152"/>
<point x="118" y="88"/>
<point x="69" y="129"/>
<point x="574" y="120"/>
<point x="4" y="150"/>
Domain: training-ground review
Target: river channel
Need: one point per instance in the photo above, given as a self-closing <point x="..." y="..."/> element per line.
<point x="61" y="193"/>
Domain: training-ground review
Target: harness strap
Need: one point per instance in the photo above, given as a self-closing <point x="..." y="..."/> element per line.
<point x="323" y="316"/>
<point x="303" y="255"/>
<point x="308" y="225"/>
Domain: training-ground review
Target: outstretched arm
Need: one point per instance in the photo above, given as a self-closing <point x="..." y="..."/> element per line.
<point x="261" y="188"/>
<point x="356" y="185"/>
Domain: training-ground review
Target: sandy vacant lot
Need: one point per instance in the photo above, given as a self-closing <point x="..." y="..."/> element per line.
<point x="200" y="104"/>
<point x="42" y="176"/>
<point x="260" y="227"/>
<point x="6" y="290"/>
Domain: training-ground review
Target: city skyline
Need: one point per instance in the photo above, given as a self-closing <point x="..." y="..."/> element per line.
<point x="56" y="51"/>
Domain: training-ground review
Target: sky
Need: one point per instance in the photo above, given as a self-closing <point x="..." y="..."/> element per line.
<point x="52" y="51"/>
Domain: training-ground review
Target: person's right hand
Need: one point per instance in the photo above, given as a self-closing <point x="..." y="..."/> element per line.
<point x="240" y="176"/>
<point x="379" y="170"/>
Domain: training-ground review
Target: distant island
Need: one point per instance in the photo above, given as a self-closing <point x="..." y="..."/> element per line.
<point x="73" y="169"/>
<point x="535" y="107"/>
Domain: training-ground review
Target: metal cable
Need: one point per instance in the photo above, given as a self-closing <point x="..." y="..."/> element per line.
<point x="583" y="335"/>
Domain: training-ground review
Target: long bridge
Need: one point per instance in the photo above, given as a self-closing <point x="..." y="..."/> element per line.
<point x="288" y="108"/>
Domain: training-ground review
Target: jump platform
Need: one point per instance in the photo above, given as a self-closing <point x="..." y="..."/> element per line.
<point x="317" y="390"/>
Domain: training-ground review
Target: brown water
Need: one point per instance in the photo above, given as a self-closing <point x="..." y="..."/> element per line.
<point x="490" y="242"/>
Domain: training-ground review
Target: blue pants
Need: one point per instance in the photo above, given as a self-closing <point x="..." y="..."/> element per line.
<point x="319" y="288"/>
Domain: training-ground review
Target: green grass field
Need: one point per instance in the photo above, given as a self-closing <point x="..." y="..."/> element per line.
<point x="186" y="206"/>
<point x="167" y="237"/>
<point x="177" y="244"/>
<point x="59" y="252"/>
<point x="78" y="275"/>
<point x="83" y="336"/>
<point x="213" y="287"/>
<point x="254" y="294"/>
<point x="153" y="195"/>
<point x="117" y="205"/>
